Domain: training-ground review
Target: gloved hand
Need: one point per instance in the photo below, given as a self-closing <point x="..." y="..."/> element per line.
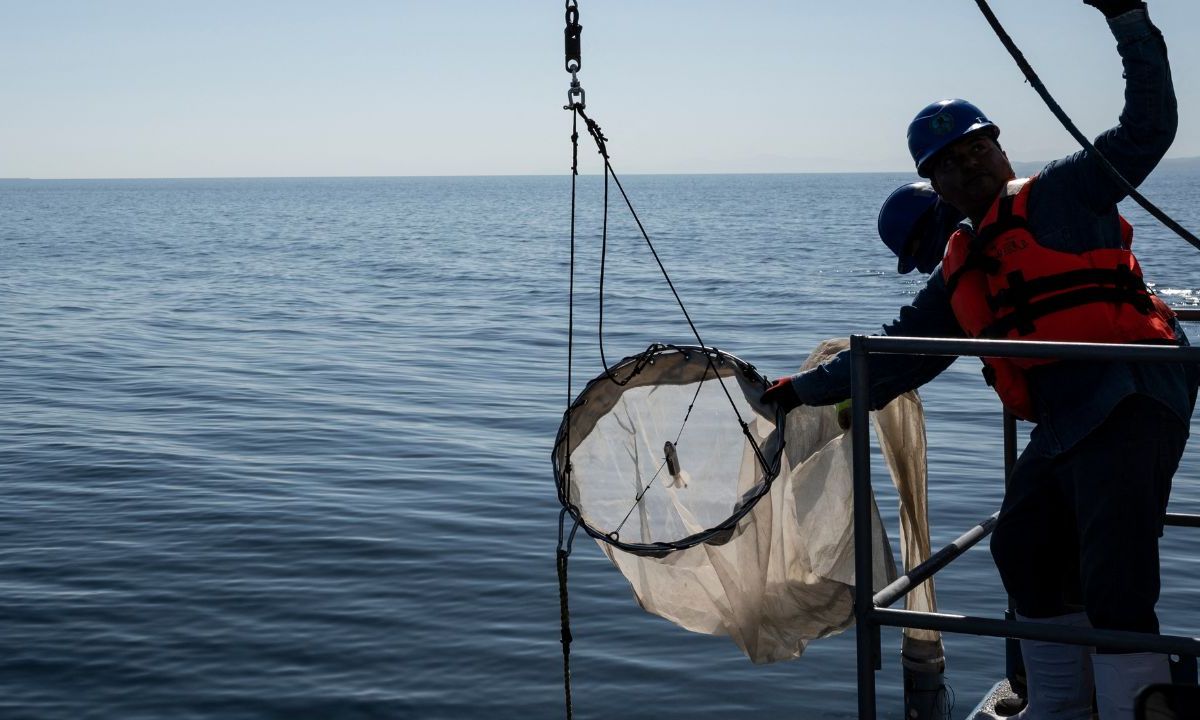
<point x="843" y="414"/>
<point x="1113" y="8"/>
<point x="782" y="393"/>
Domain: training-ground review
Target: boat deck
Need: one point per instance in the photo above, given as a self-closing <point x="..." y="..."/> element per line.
<point x="986" y="709"/>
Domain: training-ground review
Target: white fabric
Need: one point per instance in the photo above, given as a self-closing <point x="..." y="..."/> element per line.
<point x="1120" y="677"/>
<point x="1059" y="675"/>
<point x="787" y="576"/>
<point x="622" y="479"/>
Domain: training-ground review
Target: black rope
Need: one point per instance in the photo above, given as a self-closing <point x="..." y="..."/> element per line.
<point x="576" y="103"/>
<point x="565" y="627"/>
<point x="1033" y="79"/>
<point x="595" y="132"/>
<point x="564" y="612"/>
<point x="638" y="497"/>
<point x="601" y="144"/>
<point x="603" y="259"/>
<point x="571" y="304"/>
<point x="562" y="552"/>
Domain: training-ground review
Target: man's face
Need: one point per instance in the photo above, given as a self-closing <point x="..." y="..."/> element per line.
<point x="970" y="173"/>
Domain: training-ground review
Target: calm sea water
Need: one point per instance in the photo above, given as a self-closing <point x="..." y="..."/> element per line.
<point x="280" y="448"/>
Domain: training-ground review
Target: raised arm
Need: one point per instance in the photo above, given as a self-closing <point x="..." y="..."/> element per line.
<point x="1147" y="123"/>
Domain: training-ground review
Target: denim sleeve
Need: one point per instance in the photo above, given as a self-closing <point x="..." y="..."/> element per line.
<point x="1146" y="126"/>
<point x="929" y="315"/>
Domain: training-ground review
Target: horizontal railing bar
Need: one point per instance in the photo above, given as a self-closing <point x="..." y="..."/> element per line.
<point x="1074" y="635"/>
<point x="1187" y="314"/>
<point x="871" y="611"/>
<point x="902" y="585"/>
<point x="1029" y="348"/>
<point x="1182" y="520"/>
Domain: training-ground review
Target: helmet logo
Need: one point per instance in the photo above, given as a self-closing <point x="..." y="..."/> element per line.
<point x="941" y="123"/>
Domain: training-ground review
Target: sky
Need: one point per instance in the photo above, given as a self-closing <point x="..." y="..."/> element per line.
<point x="251" y="88"/>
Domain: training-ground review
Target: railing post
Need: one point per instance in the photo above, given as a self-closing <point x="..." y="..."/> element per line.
<point x="1014" y="664"/>
<point x="1010" y="445"/>
<point x="866" y="630"/>
<point x="871" y="617"/>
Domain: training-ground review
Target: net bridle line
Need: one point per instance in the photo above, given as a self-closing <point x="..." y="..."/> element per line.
<point x="729" y="365"/>
<point x="641" y="494"/>
<point x="602" y="147"/>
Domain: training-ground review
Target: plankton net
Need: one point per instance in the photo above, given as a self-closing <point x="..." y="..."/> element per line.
<point x="738" y="526"/>
<point x="646" y="455"/>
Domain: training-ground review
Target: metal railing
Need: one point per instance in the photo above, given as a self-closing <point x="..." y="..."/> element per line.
<point x="872" y="610"/>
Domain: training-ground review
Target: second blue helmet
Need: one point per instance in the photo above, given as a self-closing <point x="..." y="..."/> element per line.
<point x="915" y="224"/>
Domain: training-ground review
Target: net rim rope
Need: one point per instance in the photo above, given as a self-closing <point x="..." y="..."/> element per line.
<point x="672" y="364"/>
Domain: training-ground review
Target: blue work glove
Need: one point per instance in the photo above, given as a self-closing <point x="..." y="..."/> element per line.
<point x="782" y="393"/>
<point x="1113" y="8"/>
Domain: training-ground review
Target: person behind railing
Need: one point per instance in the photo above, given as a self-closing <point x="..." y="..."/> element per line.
<point x="1048" y="258"/>
<point x="914" y="223"/>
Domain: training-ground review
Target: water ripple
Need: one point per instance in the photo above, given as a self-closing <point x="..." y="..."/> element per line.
<point x="280" y="448"/>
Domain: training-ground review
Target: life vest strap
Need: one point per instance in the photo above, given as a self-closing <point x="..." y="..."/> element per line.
<point x="976" y="260"/>
<point x="1020" y="292"/>
<point x="1022" y="318"/>
<point x="1003" y="224"/>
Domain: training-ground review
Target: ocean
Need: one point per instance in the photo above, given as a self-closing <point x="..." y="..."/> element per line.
<point x="280" y="448"/>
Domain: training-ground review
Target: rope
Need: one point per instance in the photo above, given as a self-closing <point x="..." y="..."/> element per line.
<point x="564" y="552"/>
<point x="601" y="145"/>
<point x="638" y="497"/>
<point x="1036" y="82"/>
<point x="566" y="495"/>
<point x="576" y="103"/>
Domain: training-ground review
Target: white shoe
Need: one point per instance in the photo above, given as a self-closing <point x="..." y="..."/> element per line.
<point x="1059" y="676"/>
<point x="1120" y="677"/>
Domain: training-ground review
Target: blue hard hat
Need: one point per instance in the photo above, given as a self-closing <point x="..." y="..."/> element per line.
<point x="915" y="224"/>
<point x="940" y="124"/>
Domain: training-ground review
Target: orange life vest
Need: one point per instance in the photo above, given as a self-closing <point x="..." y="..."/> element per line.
<point x="1003" y="284"/>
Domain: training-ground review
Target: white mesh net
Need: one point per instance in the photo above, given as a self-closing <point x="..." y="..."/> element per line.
<point x="662" y="461"/>
<point x="684" y="505"/>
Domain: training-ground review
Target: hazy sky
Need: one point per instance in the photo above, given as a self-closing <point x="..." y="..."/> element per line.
<point x="217" y="88"/>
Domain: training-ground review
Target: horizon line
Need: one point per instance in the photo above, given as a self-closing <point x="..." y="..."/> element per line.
<point x="500" y="175"/>
<point x="448" y="175"/>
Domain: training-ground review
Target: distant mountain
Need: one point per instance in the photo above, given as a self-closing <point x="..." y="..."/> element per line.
<point x="1186" y="164"/>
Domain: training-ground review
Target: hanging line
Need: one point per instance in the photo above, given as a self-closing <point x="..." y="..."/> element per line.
<point x="564" y="612"/>
<point x="573" y="63"/>
<point x="576" y="102"/>
<point x="602" y="147"/>
<point x="565" y="496"/>
<point x="645" y="357"/>
<point x="665" y="463"/>
<point x="1033" y="79"/>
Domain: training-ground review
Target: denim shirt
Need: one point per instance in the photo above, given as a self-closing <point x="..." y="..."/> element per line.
<point x="1072" y="208"/>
